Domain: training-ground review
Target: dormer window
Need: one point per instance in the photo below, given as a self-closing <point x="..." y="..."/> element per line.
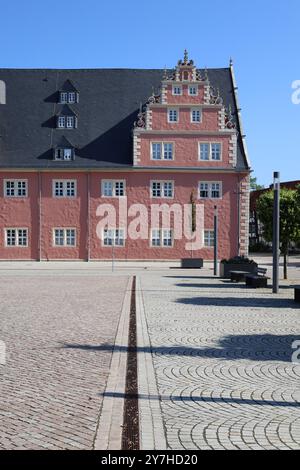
<point x="64" y="150"/>
<point x="68" y="93"/>
<point x="66" y="119"/>
<point x="64" y="154"/>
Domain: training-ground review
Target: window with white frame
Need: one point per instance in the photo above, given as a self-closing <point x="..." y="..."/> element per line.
<point x="163" y="189"/>
<point x="113" y="188"/>
<point x="195" y="115"/>
<point x="210" y="190"/>
<point x="16" y="237"/>
<point x="193" y="90"/>
<point x="162" y="151"/>
<point x="65" y="154"/>
<point x="64" y="188"/>
<point x="66" y="122"/>
<point x="177" y="90"/>
<point x="113" y="237"/>
<point x="15" y="188"/>
<point x="162" y="237"/>
<point x="173" y="115"/>
<point x="209" y="238"/>
<point x="68" y="97"/>
<point x="64" y="237"/>
<point x="210" y="151"/>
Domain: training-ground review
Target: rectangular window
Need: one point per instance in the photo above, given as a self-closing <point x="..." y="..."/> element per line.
<point x="113" y="237"/>
<point x="193" y="90"/>
<point x="15" y="188"/>
<point x="61" y="122"/>
<point x="162" y="189"/>
<point x="16" y="237"/>
<point x="196" y="115"/>
<point x="209" y="238"/>
<point x="113" y="188"/>
<point x="173" y="115"/>
<point x="64" y="188"/>
<point x="64" y="237"/>
<point x="70" y="122"/>
<point x="63" y="154"/>
<point x="163" y="238"/>
<point x="216" y="151"/>
<point x="63" y="97"/>
<point x="177" y="90"/>
<point x="210" y="190"/>
<point x="162" y="151"/>
<point x="210" y="151"/>
<point x="72" y="97"/>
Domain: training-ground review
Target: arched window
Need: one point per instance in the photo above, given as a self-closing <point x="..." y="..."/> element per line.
<point x="2" y="92"/>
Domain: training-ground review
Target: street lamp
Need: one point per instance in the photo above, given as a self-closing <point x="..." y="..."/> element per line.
<point x="276" y="231"/>
<point x="215" y="241"/>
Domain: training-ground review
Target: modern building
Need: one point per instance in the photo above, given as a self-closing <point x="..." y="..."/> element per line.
<point x="75" y="142"/>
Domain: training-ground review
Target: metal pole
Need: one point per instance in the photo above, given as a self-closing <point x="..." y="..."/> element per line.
<point x="215" y="241"/>
<point x="276" y="232"/>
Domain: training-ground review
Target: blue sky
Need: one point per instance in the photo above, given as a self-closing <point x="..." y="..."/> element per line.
<point x="261" y="36"/>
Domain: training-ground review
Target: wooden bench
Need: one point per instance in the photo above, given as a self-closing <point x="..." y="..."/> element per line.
<point x="238" y="276"/>
<point x="257" y="280"/>
<point x="297" y="293"/>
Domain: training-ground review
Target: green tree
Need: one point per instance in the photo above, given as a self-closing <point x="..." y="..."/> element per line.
<point x="289" y="219"/>
<point x="254" y="186"/>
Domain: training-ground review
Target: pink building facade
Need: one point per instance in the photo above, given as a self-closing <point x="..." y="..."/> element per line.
<point x="62" y="170"/>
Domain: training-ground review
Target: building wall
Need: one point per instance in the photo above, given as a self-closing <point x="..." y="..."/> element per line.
<point x="80" y="212"/>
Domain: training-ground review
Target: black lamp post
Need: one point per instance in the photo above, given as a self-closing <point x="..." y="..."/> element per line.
<point x="215" y="241"/>
<point x="276" y="231"/>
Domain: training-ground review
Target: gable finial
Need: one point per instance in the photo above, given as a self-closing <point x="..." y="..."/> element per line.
<point x="186" y="56"/>
<point x="230" y="62"/>
<point x="165" y="75"/>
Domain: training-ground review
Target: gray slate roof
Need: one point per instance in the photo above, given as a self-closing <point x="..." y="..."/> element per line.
<point x="109" y="100"/>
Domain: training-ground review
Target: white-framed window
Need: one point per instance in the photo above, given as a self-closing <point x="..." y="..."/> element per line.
<point x="15" y="188"/>
<point x="113" y="237"/>
<point x="164" y="189"/>
<point x="70" y="122"/>
<point x="210" y="151"/>
<point x="64" y="188"/>
<point x="173" y="115"/>
<point x="162" y="150"/>
<point x="16" y="237"/>
<point x="196" y="115"/>
<point x="177" y="90"/>
<point x="209" y="238"/>
<point x="113" y="188"/>
<point x="64" y="154"/>
<point x="61" y="122"/>
<point x="162" y="238"/>
<point x="68" y="97"/>
<point x="193" y="90"/>
<point x="210" y="190"/>
<point x="64" y="237"/>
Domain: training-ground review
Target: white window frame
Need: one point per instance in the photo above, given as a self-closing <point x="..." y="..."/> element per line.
<point x="114" y="187"/>
<point x="196" y="110"/>
<point x="211" y="231"/>
<point x="70" y="122"/>
<point x="71" y="100"/>
<point x="179" y="87"/>
<point x="17" y="237"/>
<point x="63" y="98"/>
<point x="64" y="150"/>
<point x="177" y="113"/>
<point x="162" y="237"/>
<point x="162" y="189"/>
<point x="15" y="182"/>
<point x="162" y="150"/>
<point x="210" y="151"/>
<point x="65" y="237"/>
<point x="210" y="183"/>
<point x="64" y="188"/>
<point x="114" y="237"/>
<point x="61" y="122"/>
<point x="189" y="90"/>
